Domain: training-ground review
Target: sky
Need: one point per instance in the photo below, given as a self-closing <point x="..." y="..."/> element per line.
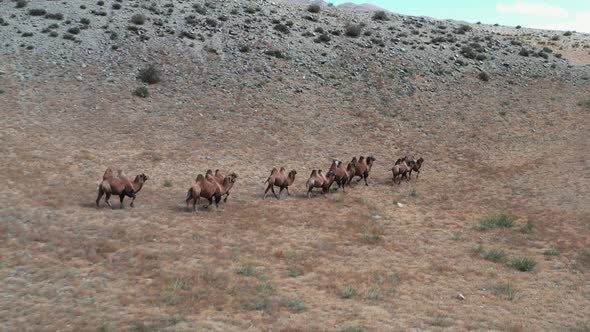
<point x="544" y="14"/>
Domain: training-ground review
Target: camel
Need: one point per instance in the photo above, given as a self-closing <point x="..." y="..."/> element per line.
<point x="220" y="178"/>
<point x="279" y="179"/>
<point x="318" y="180"/>
<point x="120" y="186"/>
<point x="362" y="167"/>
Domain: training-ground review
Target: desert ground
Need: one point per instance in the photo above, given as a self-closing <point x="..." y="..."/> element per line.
<point x="383" y="257"/>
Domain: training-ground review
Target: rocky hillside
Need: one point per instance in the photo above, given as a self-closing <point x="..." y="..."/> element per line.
<point x="249" y="43"/>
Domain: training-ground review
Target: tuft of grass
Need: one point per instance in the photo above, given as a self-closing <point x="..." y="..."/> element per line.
<point x="494" y="255"/>
<point x="296" y="305"/>
<point x="257" y="304"/>
<point x="455" y="237"/>
<point x="74" y="30"/>
<point x="167" y="183"/>
<point x="21" y="3"/>
<point x="55" y="16"/>
<point x="551" y="252"/>
<point x="373" y="295"/>
<point x="523" y="264"/>
<point x="149" y="74"/>
<point x="141" y="91"/>
<point x="347" y="292"/>
<point x="498" y="221"/>
<point x="371" y="238"/>
<point x="138" y="327"/>
<point x="439" y="321"/>
<point x="506" y="290"/>
<point x="138" y="19"/>
<point x="267" y="286"/>
<point x="247" y="270"/>
<point x="528" y="227"/>
<point x="413" y="193"/>
<point x="293" y="273"/>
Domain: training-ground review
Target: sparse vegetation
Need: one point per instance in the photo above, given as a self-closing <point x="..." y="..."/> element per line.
<point x="551" y="252"/>
<point x="296" y="305"/>
<point x="149" y="74"/>
<point x="498" y="221"/>
<point x="585" y="104"/>
<point x="528" y="227"/>
<point x="138" y="19"/>
<point x="523" y="264"/>
<point x="247" y="270"/>
<point x="314" y="8"/>
<point x="505" y="290"/>
<point x="141" y="91"/>
<point x="494" y="255"/>
<point x="21" y="3"/>
<point x="439" y="321"/>
<point x="282" y="28"/>
<point x="347" y="292"/>
<point x="275" y="53"/>
<point x="353" y="30"/>
<point x="380" y="15"/>
<point x="74" y="30"/>
<point x="484" y="76"/>
<point x="37" y="12"/>
<point x="54" y="16"/>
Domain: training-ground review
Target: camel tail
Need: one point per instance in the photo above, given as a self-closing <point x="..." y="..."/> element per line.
<point x="105" y="187"/>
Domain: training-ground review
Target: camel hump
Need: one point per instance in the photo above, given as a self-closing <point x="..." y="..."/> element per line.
<point x="274" y="171"/>
<point x="314" y="172"/>
<point x="113" y="172"/>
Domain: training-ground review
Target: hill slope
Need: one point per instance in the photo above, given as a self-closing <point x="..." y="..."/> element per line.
<point x="247" y="87"/>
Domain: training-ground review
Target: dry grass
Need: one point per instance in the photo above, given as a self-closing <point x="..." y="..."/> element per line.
<point x="349" y="261"/>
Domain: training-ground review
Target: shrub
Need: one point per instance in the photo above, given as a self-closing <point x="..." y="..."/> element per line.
<point x="353" y="30"/>
<point x="462" y="29"/>
<point x="211" y="22"/>
<point x="53" y="34"/>
<point x="149" y="75"/>
<point x="523" y="52"/>
<point x="555" y="38"/>
<point x="347" y="292"/>
<point x="567" y="33"/>
<point x="21" y="3"/>
<point x="56" y="16"/>
<point x="380" y="15"/>
<point x="167" y="183"/>
<point x="247" y="270"/>
<point x="547" y="50"/>
<point x="314" y="8"/>
<point x="293" y="273"/>
<point x="116" y="6"/>
<point x="250" y="10"/>
<point x="468" y="52"/>
<point x="543" y="55"/>
<point x="499" y="221"/>
<point x="74" y="30"/>
<point x="558" y="55"/>
<point x="27" y="34"/>
<point x="296" y="304"/>
<point x="244" y="48"/>
<point x="187" y="34"/>
<point x="523" y="264"/>
<point x="480" y="57"/>
<point x="282" y="28"/>
<point x="494" y="255"/>
<point x="551" y="252"/>
<point x="138" y="19"/>
<point x="85" y="21"/>
<point x="37" y="12"/>
<point x="518" y="27"/>
<point x="276" y="53"/>
<point x="583" y="257"/>
<point x="484" y="76"/>
<point x="323" y="38"/>
<point x="100" y="3"/>
<point x="69" y="36"/>
<point x="143" y="92"/>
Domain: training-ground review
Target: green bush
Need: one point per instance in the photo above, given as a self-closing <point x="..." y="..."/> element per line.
<point x="142" y="92"/>
<point x="523" y="264"/>
<point x="499" y="221"/>
<point x="149" y="75"/>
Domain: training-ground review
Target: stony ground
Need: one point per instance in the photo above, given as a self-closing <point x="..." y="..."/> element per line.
<point x="376" y="258"/>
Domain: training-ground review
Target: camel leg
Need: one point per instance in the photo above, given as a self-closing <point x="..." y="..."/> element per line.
<point x="121" y="198"/>
<point x="217" y="199"/>
<point x="288" y="194"/>
<point x="100" y="193"/>
<point x="417" y="174"/>
<point x="267" y="189"/>
<point x="343" y="185"/>
<point x="132" y="200"/>
<point x="106" y="199"/>
<point x="365" y="176"/>
<point x="226" y="196"/>
<point x="280" y="191"/>
<point x="194" y="205"/>
<point x="273" y="192"/>
<point x="309" y="192"/>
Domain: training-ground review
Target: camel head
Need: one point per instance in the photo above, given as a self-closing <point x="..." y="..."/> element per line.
<point x="371" y="159"/>
<point x="142" y="178"/>
<point x="420" y="161"/>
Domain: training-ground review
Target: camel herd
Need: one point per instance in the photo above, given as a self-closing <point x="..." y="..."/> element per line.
<point x="213" y="186"/>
